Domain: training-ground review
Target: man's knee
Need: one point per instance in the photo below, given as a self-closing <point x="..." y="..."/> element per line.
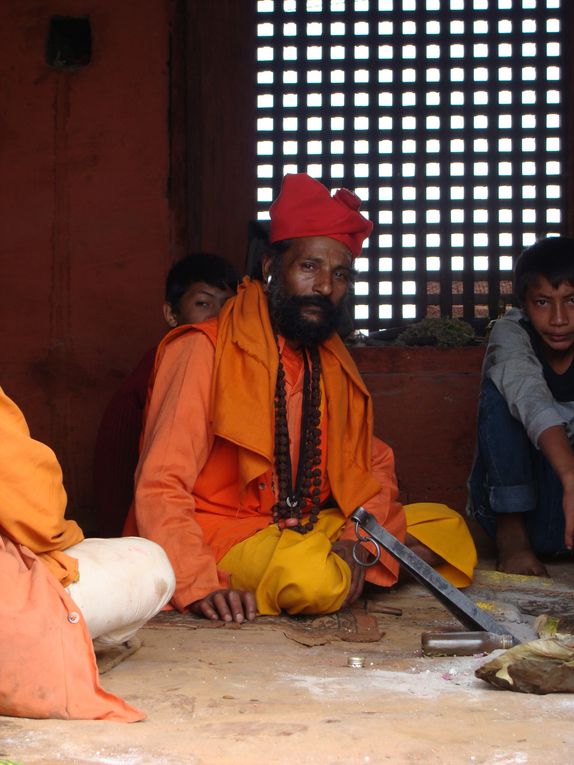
<point x="123" y="583"/>
<point x="318" y="593"/>
<point x="155" y="567"/>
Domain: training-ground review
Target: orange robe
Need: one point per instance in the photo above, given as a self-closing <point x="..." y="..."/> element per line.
<point x="33" y="499"/>
<point x="47" y="662"/>
<point x="205" y="477"/>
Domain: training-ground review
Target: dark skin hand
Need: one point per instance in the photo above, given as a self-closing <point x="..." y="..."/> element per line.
<point x="424" y="552"/>
<point x="227" y="605"/>
<point x="344" y="549"/>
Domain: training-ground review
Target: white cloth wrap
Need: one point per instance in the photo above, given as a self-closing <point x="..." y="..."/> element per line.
<point x="123" y="583"/>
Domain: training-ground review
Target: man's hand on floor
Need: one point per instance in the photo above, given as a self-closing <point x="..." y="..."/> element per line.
<point x="227" y="605"/>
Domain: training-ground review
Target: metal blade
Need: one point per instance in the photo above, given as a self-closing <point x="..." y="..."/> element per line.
<point x="460" y="606"/>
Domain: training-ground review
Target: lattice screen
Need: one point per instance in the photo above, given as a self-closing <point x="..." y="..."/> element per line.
<point x="445" y="116"/>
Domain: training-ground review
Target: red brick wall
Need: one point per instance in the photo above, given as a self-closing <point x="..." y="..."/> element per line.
<point x="85" y="225"/>
<point x="108" y="173"/>
<point x="425" y="403"/>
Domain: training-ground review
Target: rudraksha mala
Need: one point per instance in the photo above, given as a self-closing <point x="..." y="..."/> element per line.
<point x="304" y="493"/>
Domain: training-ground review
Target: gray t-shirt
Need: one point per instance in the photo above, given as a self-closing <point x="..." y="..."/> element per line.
<point x="513" y="366"/>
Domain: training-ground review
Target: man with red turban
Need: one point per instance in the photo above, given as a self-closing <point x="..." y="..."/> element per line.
<point x="258" y="442"/>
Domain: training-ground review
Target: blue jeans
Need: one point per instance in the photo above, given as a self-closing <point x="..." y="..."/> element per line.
<point x="510" y="475"/>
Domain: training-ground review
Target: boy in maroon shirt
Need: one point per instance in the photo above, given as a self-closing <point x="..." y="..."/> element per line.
<point x="196" y="288"/>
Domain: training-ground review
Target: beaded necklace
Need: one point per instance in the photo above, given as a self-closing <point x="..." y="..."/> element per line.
<point x="304" y="493"/>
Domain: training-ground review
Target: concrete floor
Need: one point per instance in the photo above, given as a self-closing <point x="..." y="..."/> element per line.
<point x="254" y="695"/>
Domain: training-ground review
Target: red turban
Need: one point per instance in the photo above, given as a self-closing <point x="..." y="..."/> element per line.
<point x="305" y="207"/>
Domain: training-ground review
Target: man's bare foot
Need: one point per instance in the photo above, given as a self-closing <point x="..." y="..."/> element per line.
<point x="515" y="554"/>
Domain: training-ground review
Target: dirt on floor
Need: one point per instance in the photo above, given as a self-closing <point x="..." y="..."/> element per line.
<point x="281" y="691"/>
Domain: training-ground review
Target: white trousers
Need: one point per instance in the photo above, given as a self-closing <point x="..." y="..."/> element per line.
<point x="123" y="583"/>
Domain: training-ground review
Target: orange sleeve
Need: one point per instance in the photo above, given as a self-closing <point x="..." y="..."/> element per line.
<point x="32" y="496"/>
<point x="177" y="442"/>
<point x="386" y="509"/>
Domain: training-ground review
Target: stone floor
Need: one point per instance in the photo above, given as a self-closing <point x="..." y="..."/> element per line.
<point x="259" y="694"/>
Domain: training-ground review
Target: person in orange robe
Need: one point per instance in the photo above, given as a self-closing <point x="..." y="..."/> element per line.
<point x="258" y="442"/>
<point x="60" y="591"/>
<point x="196" y="287"/>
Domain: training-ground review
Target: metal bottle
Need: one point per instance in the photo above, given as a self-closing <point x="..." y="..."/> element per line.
<point x="463" y="643"/>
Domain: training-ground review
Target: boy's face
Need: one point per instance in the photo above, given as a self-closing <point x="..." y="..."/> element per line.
<point x="551" y="313"/>
<point x="200" y="302"/>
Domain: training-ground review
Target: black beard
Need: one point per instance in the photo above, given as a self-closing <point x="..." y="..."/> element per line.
<point x="287" y="317"/>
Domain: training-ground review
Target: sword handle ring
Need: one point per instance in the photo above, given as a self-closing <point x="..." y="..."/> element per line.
<point x="361" y="538"/>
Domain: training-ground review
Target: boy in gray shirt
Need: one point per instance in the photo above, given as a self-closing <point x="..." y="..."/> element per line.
<point x="521" y="489"/>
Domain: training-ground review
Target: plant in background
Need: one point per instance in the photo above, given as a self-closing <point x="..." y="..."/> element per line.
<point x="443" y="333"/>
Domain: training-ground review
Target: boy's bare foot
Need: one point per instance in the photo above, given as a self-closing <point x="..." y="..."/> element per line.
<point x="524" y="562"/>
<point x="515" y="555"/>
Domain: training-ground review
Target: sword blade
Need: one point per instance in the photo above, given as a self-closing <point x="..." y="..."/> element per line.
<point x="460" y="606"/>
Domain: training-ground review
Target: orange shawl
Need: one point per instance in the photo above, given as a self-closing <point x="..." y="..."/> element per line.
<point x="47" y="662"/>
<point x="33" y="500"/>
<point x="243" y="390"/>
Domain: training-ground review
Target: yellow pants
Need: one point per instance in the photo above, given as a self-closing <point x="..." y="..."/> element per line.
<point x="444" y="531"/>
<point x="299" y="573"/>
<point x="292" y="572"/>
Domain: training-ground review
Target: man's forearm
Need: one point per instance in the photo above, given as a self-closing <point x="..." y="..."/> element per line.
<point x="556" y="447"/>
<point x="558" y="451"/>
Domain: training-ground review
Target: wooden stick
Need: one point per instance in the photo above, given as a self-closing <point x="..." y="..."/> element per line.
<point x="379" y="609"/>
